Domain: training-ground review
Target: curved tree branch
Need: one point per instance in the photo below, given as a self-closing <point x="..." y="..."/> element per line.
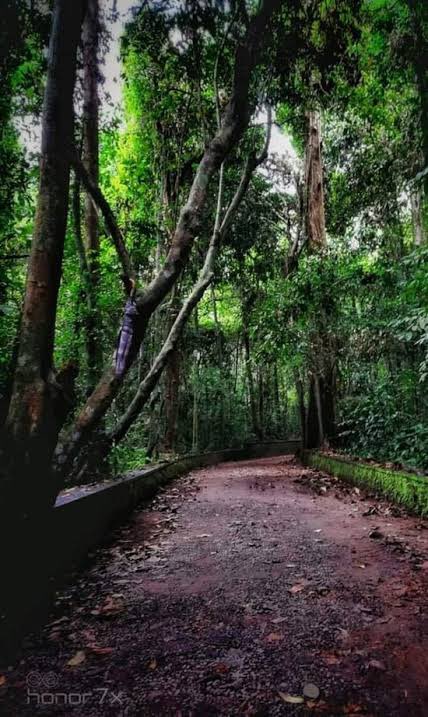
<point x="102" y="204"/>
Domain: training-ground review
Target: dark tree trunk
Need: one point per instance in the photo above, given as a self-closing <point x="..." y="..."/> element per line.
<point x="419" y="21"/>
<point x="261" y="397"/>
<point x="87" y="288"/>
<point x="314" y="186"/>
<point x="172" y="386"/>
<point x="32" y="426"/>
<point x="302" y="410"/>
<point x="90" y="41"/>
<point x="251" y="389"/>
<point x="320" y="423"/>
<point x="328" y="403"/>
<point x="312" y="432"/>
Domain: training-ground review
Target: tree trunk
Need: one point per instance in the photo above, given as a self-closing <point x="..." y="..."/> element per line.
<point x="328" y="403"/>
<point x="251" y="390"/>
<point x="87" y="284"/>
<point x="417" y="219"/>
<point x="419" y="22"/>
<point x="302" y="410"/>
<point x="90" y="43"/>
<point x="235" y="121"/>
<point x="195" y="418"/>
<point x="315" y="216"/>
<point x="318" y="403"/>
<point x="172" y="386"/>
<point x="312" y="432"/>
<point x="32" y="425"/>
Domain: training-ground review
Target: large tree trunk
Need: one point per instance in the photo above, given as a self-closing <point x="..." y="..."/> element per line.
<point x="315" y="216"/>
<point x="235" y="121"/>
<point x="416" y="201"/>
<point x="312" y="422"/>
<point x="32" y="426"/>
<point x="302" y="409"/>
<point x="320" y="410"/>
<point x="419" y="21"/>
<point x="90" y="123"/>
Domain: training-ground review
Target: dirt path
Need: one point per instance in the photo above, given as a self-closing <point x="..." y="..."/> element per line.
<point x="235" y="588"/>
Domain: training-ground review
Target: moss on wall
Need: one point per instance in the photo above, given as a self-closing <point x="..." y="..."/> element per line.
<point x="404" y="488"/>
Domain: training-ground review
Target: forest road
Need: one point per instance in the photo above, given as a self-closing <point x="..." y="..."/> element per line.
<point x="237" y="587"/>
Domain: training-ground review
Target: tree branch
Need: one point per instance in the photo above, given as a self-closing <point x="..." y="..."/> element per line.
<point x="204" y="280"/>
<point x="102" y="204"/>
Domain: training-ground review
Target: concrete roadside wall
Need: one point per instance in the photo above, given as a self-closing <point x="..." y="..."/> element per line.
<point x="81" y="523"/>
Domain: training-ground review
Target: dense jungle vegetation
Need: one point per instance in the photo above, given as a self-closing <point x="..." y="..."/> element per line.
<point x="258" y="194"/>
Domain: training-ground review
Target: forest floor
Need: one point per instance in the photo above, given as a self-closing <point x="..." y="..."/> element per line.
<point x="239" y="589"/>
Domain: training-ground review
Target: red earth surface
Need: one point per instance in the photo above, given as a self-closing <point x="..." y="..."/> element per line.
<point x="249" y="588"/>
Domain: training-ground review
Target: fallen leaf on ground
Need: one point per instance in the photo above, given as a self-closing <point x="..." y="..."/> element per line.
<point x="204" y="535"/>
<point x="221" y="668"/>
<point x="274" y="637"/>
<point x="278" y="620"/>
<point x="112" y="606"/>
<point x="98" y="650"/>
<point x="296" y="588"/>
<point x="2" y="680"/>
<point x="319" y="705"/>
<point x="352" y="709"/>
<point x="89" y="635"/>
<point x="78" y="658"/>
<point x="376" y="665"/>
<point x="152" y="664"/>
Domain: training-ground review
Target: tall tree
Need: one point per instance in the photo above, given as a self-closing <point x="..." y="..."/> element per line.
<point x="32" y="423"/>
<point x="90" y="130"/>
<point x="314" y="183"/>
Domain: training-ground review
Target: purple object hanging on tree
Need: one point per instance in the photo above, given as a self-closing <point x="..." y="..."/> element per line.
<point x="125" y="337"/>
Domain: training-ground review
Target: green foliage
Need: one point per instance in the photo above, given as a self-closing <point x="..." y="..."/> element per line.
<point x="125" y="458"/>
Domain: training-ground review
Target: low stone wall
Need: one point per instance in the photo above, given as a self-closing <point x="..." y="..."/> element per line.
<point x="408" y="489"/>
<point x="88" y="517"/>
<point x="44" y="555"/>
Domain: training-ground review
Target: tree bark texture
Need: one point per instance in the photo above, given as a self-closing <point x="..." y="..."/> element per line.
<point x="416" y="201"/>
<point x="90" y="123"/>
<point x="32" y="425"/>
<point x="172" y="386"/>
<point x="315" y="216"/>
